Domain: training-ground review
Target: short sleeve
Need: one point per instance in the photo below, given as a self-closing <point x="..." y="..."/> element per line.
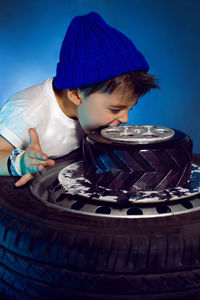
<point x="13" y="123"/>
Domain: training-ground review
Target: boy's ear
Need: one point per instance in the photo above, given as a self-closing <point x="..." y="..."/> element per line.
<point x="74" y="96"/>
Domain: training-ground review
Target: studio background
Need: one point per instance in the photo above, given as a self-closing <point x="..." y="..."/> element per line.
<point x="166" y="31"/>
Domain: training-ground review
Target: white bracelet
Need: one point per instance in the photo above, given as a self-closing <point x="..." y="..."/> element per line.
<point x="17" y="163"/>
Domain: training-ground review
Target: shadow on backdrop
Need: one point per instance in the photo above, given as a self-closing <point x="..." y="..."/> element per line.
<point x="166" y="32"/>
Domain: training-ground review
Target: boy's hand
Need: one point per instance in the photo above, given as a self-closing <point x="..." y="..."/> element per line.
<point x="33" y="160"/>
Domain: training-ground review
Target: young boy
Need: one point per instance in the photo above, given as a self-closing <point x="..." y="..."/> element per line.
<point x="99" y="78"/>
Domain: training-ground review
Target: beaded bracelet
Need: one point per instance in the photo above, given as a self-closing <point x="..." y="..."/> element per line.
<point x="14" y="162"/>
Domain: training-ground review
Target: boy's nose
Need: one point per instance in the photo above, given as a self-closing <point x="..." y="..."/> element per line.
<point x="123" y="118"/>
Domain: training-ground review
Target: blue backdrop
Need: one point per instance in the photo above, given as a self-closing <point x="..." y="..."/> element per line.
<point x="166" y="31"/>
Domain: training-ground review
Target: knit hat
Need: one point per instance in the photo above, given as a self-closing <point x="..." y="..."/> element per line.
<point x="93" y="51"/>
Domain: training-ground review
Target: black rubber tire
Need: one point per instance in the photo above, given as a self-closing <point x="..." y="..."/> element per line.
<point x="136" y="167"/>
<point x="47" y="253"/>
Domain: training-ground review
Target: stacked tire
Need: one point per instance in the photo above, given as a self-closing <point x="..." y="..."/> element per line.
<point x="133" y="167"/>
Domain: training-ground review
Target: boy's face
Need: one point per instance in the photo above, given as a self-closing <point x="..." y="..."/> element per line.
<point x="102" y="109"/>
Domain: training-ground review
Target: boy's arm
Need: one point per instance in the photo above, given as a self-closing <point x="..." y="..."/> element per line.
<point x="32" y="161"/>
<point x="5" y="151"/>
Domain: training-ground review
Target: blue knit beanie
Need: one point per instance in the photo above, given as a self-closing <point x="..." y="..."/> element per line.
<point x="93" y="51"/>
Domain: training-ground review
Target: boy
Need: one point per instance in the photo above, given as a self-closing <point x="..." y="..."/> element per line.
<point x="99" y="78"/>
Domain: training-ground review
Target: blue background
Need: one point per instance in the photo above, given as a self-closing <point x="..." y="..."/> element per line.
<point x="167" y="32"/>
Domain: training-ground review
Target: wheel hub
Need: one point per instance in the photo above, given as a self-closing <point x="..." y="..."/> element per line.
<point x="138" y="134"/>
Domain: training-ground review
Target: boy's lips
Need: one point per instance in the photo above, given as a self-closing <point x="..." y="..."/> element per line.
<point x="100" y="128"/>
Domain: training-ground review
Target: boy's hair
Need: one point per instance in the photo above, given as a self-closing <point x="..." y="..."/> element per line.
<point x="140" y="82"/>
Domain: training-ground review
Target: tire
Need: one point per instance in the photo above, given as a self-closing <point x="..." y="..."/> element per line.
<point x="49" y="253"/>
<point x="136" y="167"/>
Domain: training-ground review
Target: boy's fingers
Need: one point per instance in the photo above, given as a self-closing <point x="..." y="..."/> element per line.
<point x="27" y="177"/>
<point x="24" y="179"/>
<point x="37" y="155"/>
<point x="39" y="167"/>
<point x="49" y="163"/>
<point x="33" y="169"/>
<point x="34" y="139"/>
<point x="41" y="164"/>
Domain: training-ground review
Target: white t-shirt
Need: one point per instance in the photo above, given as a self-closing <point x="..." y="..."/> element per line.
<point x="37" y="107"/>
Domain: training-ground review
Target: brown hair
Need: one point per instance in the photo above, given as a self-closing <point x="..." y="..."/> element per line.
<point x="139" y="81"/>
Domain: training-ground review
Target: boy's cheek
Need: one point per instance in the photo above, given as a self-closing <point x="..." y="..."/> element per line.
<point x="92" y="126"/>
<point x="94" y="120"/>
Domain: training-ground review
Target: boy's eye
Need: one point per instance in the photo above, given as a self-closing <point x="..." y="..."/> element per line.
<point x="115" y="111"/>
